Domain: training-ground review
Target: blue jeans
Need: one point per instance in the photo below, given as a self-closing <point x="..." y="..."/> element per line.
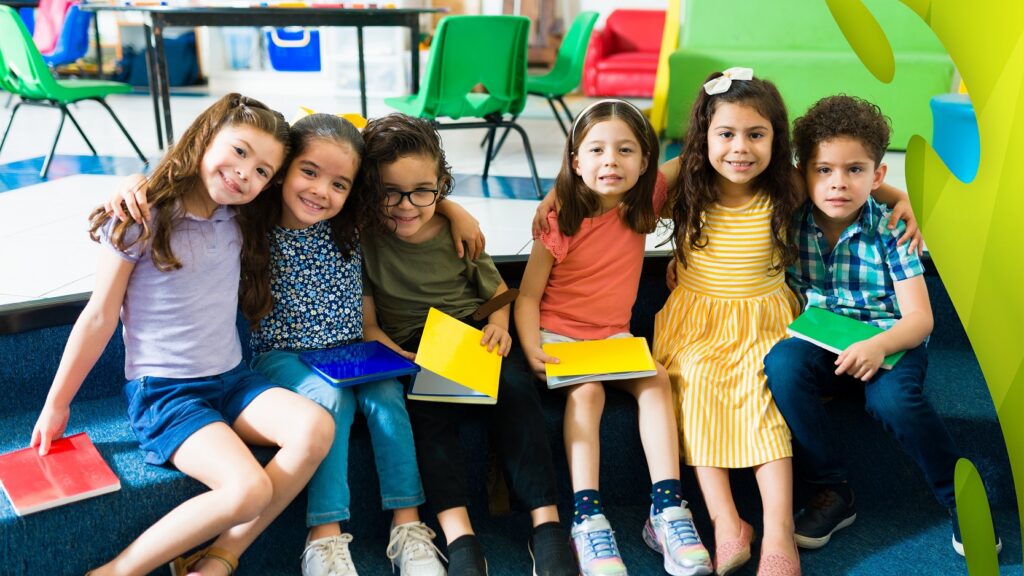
<point x="383" y="404"/>
<point x="799" y="373"/>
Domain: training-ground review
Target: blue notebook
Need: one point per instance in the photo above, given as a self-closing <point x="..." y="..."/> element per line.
<point x="354" y="364"/>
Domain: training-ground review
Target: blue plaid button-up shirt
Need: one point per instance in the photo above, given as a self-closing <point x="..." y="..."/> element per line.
<point x="857" y="277"/>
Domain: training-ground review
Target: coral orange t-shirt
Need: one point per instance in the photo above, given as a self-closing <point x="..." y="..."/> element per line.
<point x="594" y="280"/>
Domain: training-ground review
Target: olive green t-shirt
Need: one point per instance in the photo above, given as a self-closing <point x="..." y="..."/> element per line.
<point x="405" y="280"/>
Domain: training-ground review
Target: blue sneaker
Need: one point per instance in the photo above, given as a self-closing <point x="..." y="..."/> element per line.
<point x="596" y="551"/>
<point x="673" y="534"/>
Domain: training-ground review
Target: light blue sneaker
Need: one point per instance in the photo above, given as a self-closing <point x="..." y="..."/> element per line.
<point x="673" y="534"/>
<point x="596" y="551"/>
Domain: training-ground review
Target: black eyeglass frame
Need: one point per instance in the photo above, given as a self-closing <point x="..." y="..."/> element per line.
<point x="404" y="195"/>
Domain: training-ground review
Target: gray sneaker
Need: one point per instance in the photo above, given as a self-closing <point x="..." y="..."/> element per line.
<point x="411" y="549"/>
<point x="596" y="551"/>
<point x="328" y="557"/>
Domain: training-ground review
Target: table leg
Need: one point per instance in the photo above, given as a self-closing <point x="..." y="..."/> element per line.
<point x="99" y="47"/>
<point x="362" y="70"/>
<point x="162" y="79"/>
<point x="414" y="51"/>
<point x="154" y="88"/>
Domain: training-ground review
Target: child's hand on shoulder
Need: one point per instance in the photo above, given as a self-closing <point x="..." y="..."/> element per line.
<point x="49" y="426"/>
<point x="496" y="337"/>
<point x="132" y="194"/>
<point x="860" y="360"/>
<point x="537" y="359"/>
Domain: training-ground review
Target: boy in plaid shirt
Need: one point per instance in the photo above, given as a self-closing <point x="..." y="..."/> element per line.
<point x="850" y="264"/>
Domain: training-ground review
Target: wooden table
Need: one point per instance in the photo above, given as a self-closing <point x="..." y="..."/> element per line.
<point x="158" y="18"/>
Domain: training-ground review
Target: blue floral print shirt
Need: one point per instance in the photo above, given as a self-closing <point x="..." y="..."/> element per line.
<point x="318" y="294"/>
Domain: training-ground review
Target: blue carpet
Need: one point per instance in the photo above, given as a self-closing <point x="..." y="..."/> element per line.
<point x="900" y="529"/>
<point x="23" y="173"/>
<point x="508" y="187"/>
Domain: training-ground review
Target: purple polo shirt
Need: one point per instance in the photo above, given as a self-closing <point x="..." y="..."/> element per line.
<point x="181" y="323"/>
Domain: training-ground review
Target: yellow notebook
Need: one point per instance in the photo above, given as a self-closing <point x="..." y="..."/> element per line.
<point x="455" y="367"/>
<point x="599" y="360"/>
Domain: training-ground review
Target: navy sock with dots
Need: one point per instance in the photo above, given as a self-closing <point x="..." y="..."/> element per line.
<point x="666" y="494"/>
<point x="586" y="503"/>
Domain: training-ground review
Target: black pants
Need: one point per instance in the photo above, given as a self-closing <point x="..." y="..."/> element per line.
<point x="516" y="428"/>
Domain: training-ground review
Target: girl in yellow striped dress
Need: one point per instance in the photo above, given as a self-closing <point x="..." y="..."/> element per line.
<point x="732" y="203"/>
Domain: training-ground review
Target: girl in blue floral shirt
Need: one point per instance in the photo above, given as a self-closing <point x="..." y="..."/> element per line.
<point x="306" y="236"/>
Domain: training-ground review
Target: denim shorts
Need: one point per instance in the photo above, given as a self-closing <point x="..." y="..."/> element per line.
<point x="164" y="412"/>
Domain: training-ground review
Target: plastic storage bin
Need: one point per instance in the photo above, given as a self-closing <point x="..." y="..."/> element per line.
<point x="294" y="49"/>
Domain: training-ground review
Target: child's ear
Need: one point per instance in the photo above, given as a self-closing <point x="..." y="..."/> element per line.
<point x="879" y="176"/>
<point x="576" y="165"/>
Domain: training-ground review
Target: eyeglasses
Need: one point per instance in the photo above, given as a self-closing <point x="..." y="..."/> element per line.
<point x="420" y="198"/>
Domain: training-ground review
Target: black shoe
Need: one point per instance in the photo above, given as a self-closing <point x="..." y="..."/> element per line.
<point x="827" y="512"/>
<point x="466" y="558"/>
<point x="958" y="543"/>
<point x="552" y="555"/>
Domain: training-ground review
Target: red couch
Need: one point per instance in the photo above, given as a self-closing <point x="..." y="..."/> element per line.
<point x="622" y="59"/>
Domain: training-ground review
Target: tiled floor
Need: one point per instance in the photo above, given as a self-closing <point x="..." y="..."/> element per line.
<point x="45" y="250"/>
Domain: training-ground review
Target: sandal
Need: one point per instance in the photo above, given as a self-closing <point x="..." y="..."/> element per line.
<point x="181" y="565"/>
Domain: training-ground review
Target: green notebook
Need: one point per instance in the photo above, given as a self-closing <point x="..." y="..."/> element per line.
<point x="835" y="332"/>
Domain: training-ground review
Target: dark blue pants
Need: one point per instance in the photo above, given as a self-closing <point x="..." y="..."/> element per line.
<point x="799" y="373"/>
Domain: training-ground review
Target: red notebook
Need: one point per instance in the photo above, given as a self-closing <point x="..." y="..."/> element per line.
<point x="73" y="470"/>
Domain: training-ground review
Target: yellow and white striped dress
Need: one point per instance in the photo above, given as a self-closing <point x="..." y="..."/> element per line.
<point x="727" y="312"/>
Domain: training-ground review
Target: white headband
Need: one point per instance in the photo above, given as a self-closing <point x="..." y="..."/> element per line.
<point x="575" y="122"/>
<point x="723" y="82"/>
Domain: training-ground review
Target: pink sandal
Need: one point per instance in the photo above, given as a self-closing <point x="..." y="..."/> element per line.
<point x="775" y="564"/>
<point x="730" y="555"/>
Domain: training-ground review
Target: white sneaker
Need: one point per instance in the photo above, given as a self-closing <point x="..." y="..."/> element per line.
<point x="411" y="549"/>
<point x="328" y="557"/>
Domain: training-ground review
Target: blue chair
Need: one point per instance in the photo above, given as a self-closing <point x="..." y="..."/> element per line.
<point x="73" y="42"/>
<point x="28" y="16"/>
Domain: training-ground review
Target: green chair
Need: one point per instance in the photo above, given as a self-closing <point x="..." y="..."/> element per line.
<point x="565" y="75"/>
<point x="23" y="72"/>
<point x="468" y="51"/>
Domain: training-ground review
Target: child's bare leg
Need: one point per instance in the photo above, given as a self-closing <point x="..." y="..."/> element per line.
<point x="714" y="485"/>
<point x="543" y="515"/>
<point x="303" y="431"/>
<point x="775" y="482"/>
<point x="406" y="515"/>
<point x="658" y="432"/>
<point x="239" y="491"/>
<point x="583" y="408"/>
<point x="324" y="531"/>
<point x="455" y="523"/>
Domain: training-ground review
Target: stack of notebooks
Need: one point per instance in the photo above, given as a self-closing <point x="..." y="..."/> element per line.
<point x="450" y="366"/>
<point x="598" y="361"/>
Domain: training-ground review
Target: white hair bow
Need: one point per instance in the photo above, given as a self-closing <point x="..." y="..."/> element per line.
<point x="723" y="82"/>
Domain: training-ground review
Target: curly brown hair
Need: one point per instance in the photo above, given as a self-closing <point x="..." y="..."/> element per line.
<point x="577" y="202"/>
<point x="841" y="116"/>
<point x="695" y="189"/>
<point x="177" y="175"/>
<point x="392" y="137"/>
<point x="259" y="217"/>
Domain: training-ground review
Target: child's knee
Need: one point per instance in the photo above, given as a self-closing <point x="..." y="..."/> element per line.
<point x="312" y="433"/>
<point x="589" y="395"/>
<point x="249" y="495"/>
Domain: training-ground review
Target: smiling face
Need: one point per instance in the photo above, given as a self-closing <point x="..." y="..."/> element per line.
<point x="739" y="145"/>
<point x="609" y="160"/>
<point x="413" y="224"/>
<point x="317" y="184"/>
<point x="840" y="176"/>
<point x="238" y="164"/>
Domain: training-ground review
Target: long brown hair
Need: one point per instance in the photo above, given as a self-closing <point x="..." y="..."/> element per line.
<point x="396" y="136"/>
<point x="177" y="175"/>
<point x="695" y="189"/>
<point x="259" y="217"/>
<point x="577" y="202"/>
